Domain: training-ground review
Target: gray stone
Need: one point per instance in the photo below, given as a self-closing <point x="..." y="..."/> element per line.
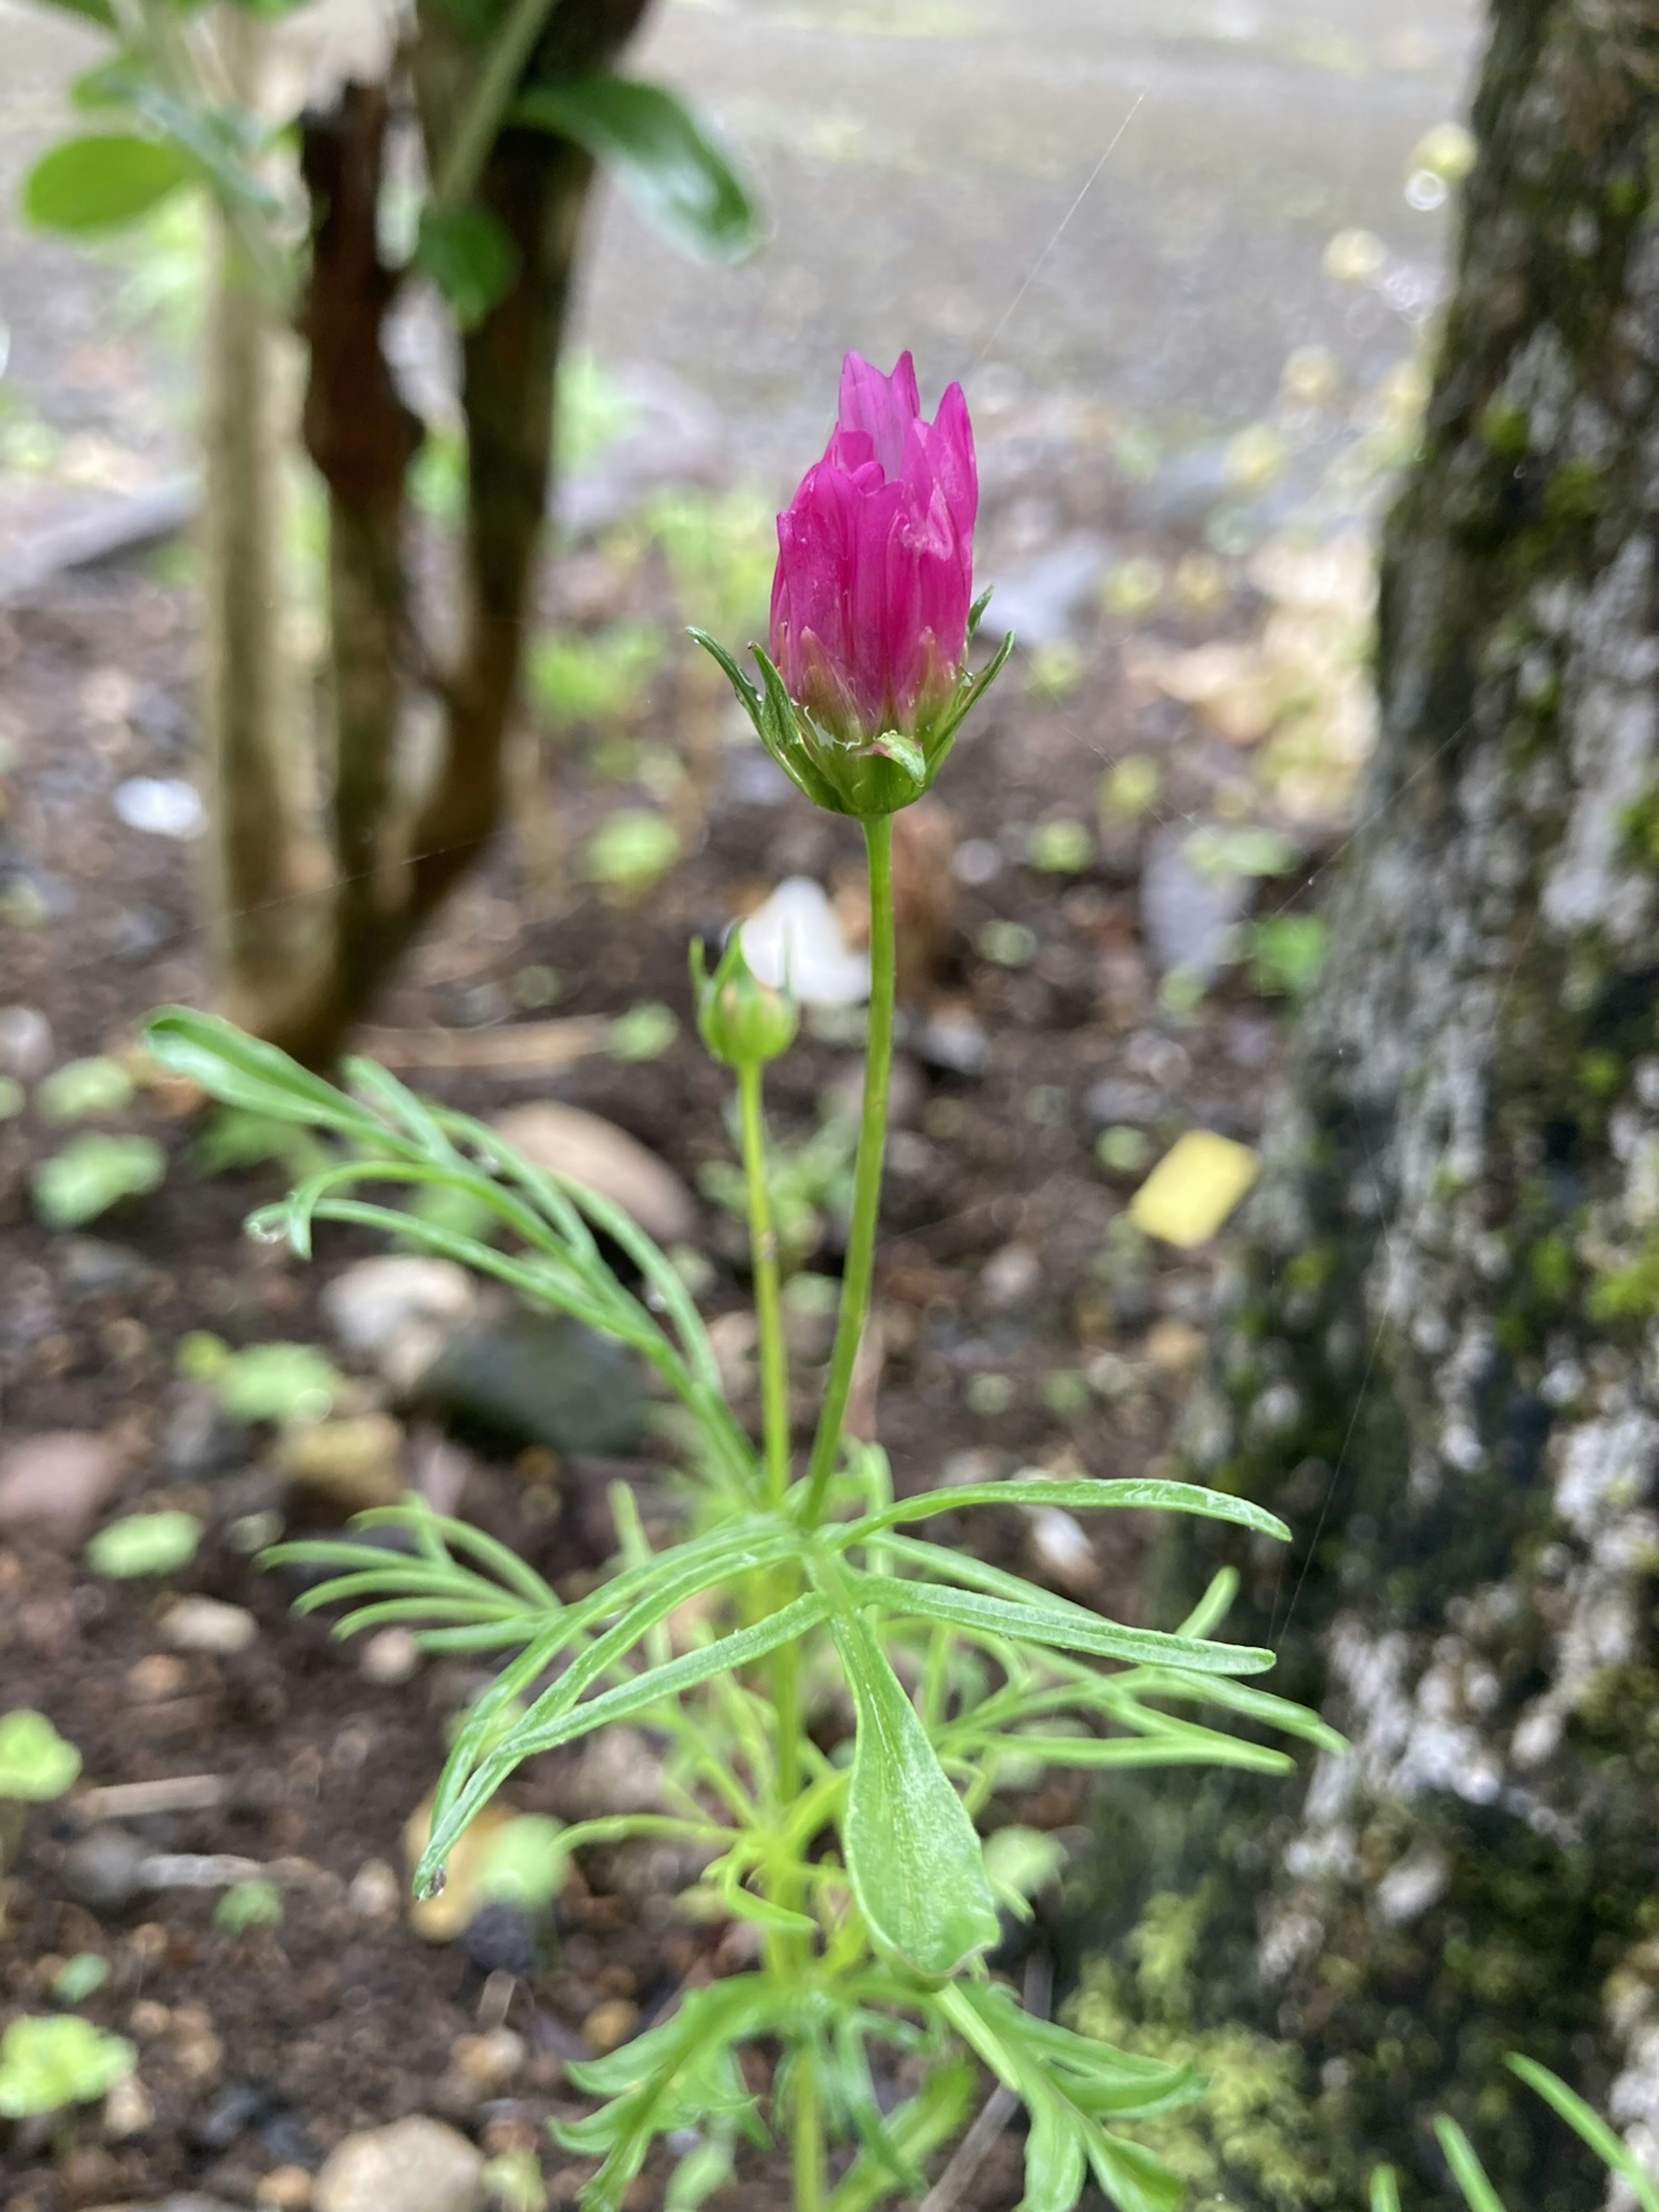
<point x="1037" y="598"/>
<point x="374" y="1306"/>
<point x="533" y="1378"/>
<point x="1114" y="1102"/>
<point x="25" y="1045"/>
<point x="416" y="2165"/>
<point x="93" y="1267"/>
<point x="954" y="1041"/>
<point x="104" y="1869"/>
<point x="1187" y="918"/>
<point x="201" y="1438"/>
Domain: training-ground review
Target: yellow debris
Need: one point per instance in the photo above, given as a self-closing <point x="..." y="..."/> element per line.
<point x="1194" y="1188"/>
<point x="443" y="1918"/>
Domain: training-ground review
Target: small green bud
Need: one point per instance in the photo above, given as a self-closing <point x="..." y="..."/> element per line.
<point x="743" y="1021"/>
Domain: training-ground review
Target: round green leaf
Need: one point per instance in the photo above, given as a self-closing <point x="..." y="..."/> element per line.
<point x="47" y="2065"/>
<point x="105" y="179"/>
<point x="93" y="1173"/>
<point x="36" y="1763"/>
<point x="144" y="1544"/>
<point x="678" y="176"/>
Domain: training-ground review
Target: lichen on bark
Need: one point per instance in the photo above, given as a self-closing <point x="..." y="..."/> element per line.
<point x="1438" y="1352"/>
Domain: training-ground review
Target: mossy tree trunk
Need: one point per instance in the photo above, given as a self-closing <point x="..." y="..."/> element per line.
<point x="1438" y="1357"/>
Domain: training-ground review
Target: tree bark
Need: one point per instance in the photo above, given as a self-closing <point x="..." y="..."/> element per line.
<point x="393" y="871"/>
<point x="266" y="867"/>
<point x="1438" y="1355"/>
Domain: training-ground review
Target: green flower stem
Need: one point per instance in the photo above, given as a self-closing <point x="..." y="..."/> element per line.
<point x="774" y="1399"/>
<point x="769" y="1309"/>
<point x="867" y="1184"/>
<point x="808" y="2159"/>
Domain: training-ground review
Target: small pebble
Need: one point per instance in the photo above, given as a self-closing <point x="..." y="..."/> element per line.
<point x="199" y="2057"/>
<point x="285" y="2189"/>
<point x="490" y="2061"/>
<point x="390" y="1657"/>
<point x="129" y="2110"/>
<point x="1012" y="1276"/>
<point x="375" y="1892"/>
<point x="1174" y="1347"/>
<point x="416" y="2165"/>
<point x="148" y="2020"/>
<point x="207" y="1624"/>
<point x="159" y="1674"/>
<point x="1060" y="1547"/>
<point x="610" y="2024"/>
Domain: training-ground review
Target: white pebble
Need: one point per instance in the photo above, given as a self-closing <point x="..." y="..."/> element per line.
<point x="206" y="1624"/>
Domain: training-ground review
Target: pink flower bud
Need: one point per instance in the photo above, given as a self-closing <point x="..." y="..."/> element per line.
<point x="872" y="604"/>
<point x="875" y="576"/>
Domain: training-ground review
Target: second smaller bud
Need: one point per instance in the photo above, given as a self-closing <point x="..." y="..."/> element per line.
<point x="744" y="1021"/>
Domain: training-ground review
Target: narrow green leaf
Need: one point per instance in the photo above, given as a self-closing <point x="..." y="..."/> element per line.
<point x="1255" y="1704"/>
<point x="101" y="181"/>
<point x="92" y="11"/>
<point x="243" y="1071"/>
<point x="918" y="2127"/>
<point x="1135" y="2178"/>
<point x="912" y="1854"/>
<point x="1183" y="1747"/>
<point x="1072" y="1497"/>
<point x="1385" y="2190"/>
<point x="1466" y="2170"/>
<point x="1588" y="2125"/>
<point x="748" y="694"/>
<point x="1215" y="1605"/>
<point x="678" y="176"/>
<point x="401" y="1108"/>
<point x="1055" y="2165"/>
<point x="1068" y="1627"/>
<point x="635" y="1696"/>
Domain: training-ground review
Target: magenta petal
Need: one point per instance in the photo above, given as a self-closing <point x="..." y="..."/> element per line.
<point x="874" y="580"/>
<point x="883" y="407"/>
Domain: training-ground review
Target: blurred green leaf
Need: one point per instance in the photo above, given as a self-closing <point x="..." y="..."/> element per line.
<point x="36" y="1763"/>
<point x="144" y="1544"/>
<point x="1287" y="954"/>
<point x="596" y="678"/>
<point x="470" y="256"/>
<point x="1021" y="1862"/>
<point x="278" y="1383"/>
<point x="644" y="1032"/>
<point x="93" y="1173"/>
<point x="81" y="1088"/>
<point x="1590" y="2128"/>
<point x="664" y="158"/>
<point x="524" y="1864"/>
<point x="1466" y="2170"/>
<point x="632" y="850"/>
<point x="77" y="1979"/>
<point x="106" y="178"/>
<point x="48" y="2064"/>
<point x="249" y="1905"/>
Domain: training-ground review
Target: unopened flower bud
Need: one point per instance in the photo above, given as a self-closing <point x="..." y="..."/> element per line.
<point x="866" y="683"/>
<point x="743" y="1021"/>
